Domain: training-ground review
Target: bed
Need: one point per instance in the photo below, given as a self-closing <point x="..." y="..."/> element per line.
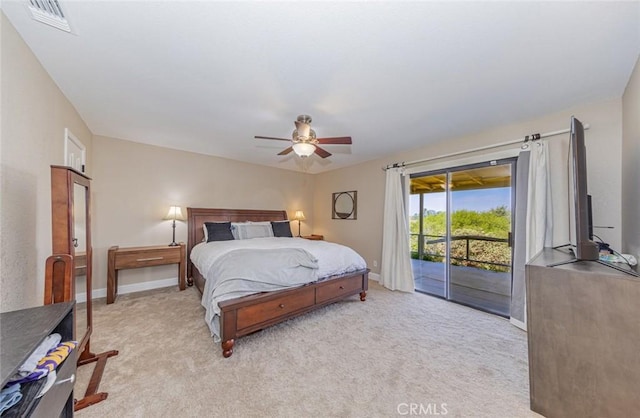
<point x="247" y="314"/>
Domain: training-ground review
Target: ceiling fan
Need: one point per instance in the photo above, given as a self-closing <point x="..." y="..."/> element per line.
<point x="305" y="142"/>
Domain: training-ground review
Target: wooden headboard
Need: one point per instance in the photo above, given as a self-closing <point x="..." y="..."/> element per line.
<point x="196" y="217"/>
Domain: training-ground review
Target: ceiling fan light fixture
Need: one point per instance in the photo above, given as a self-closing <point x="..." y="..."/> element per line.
<point x="303" y="149"/>
<point x="304" y="141"/>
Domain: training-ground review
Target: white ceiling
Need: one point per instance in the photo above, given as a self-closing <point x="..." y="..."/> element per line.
<point x="208" y="76"/>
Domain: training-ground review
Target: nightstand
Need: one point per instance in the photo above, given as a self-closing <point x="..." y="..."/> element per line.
<point x="136" y="257"/>
<point x="314" y="237"/>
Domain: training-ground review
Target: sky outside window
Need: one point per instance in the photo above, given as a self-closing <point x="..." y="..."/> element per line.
<point x="475" y="200"/>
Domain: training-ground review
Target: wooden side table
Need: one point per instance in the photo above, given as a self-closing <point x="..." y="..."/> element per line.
<point x="136" y="257"/>
<point x="314" y="237"/>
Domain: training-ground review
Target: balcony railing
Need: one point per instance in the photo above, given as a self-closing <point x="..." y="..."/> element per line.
<point x="438" y="239"/>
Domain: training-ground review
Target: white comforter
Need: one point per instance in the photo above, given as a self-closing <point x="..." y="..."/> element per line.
<point x="243" y="267"/>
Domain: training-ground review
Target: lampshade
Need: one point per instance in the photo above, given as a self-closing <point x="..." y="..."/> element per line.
<point x="299" y="216"/>
<point x="303" y="149"/>
<point x="175" y="213"/>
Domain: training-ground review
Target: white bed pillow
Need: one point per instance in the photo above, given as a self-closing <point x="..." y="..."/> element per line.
<point x="248" y="230"/>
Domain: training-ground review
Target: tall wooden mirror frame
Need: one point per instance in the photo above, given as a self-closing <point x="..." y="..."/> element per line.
<point x="64" y="199"/>
<point x="70" y="191"/>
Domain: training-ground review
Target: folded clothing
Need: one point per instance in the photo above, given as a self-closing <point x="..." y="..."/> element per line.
<point x="48" y="344"/>
<point x="9" y="396"/>
<point x="47" y="363"/>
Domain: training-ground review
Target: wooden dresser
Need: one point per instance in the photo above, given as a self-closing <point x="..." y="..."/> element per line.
<point x="22" y="331"/>
<point x="583" y="322"/>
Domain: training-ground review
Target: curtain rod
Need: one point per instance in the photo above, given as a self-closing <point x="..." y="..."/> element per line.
<point x="533" y="137"/>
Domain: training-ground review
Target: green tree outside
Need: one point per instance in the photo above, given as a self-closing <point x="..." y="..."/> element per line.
<point x="494" y="223"/>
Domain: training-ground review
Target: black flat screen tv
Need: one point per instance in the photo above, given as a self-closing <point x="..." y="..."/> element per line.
<point x="584" y="247"/>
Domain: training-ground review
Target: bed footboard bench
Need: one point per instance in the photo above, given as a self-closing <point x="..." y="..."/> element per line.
<point x="243" y="316"/>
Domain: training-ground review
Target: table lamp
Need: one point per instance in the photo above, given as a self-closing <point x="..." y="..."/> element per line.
<point x="175" y="214"/>
<point x="299" y="216"/>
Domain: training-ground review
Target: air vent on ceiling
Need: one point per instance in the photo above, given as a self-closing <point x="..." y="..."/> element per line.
<point x="49" y="12"/>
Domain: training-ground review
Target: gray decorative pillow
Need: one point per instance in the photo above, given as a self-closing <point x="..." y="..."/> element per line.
<point x="218" y="231"/>
<point x="281" y="229"/>
<point x="248" y="230"/>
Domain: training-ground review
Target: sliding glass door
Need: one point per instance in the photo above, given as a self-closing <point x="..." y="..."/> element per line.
<point x="461" y="223"/>
<point x="428" y="226"/>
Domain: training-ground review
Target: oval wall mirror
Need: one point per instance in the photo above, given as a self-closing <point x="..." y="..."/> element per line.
<point x="345" y="205"/>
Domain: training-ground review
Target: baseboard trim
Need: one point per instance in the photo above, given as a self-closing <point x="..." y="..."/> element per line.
<point x="518" y="324"/>
<point x="374" y="276"/>
<point x="129" y="288"/>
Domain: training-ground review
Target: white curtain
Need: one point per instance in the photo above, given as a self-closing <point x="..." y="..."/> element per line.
<point x="539" y="230"/>
<point x="534" y="221"/>
<point x="396" y="272"/>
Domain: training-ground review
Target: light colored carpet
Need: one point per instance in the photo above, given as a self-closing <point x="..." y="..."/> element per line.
<point x="351" y="359"/>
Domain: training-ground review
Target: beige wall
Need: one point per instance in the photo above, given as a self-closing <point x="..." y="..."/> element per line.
<point x="631" y="165"/>
<point x="134" y="185"/>
<point x="604" y="148"/>
<point x="363" y="234"/>
<point x="34" y="116"/>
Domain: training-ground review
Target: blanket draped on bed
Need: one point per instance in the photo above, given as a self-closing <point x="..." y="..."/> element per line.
<point x="243" y="272"/>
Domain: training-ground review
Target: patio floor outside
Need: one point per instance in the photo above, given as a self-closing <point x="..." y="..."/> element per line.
<point x="487" y="290"/>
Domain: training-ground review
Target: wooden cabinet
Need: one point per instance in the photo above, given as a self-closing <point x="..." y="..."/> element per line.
<point x="583" y="333"/>
<point x="136" y="257"/>
<point x="22" y="331"/>
<point x="71" y="236"/>
<point x="71" y="264"/>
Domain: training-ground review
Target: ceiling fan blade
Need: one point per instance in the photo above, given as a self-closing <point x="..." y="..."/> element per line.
<point x="321" y="152"/>
<point x="286" y="151"/>
<point x="270" y="137"/>
<point x="303" y="129"/>
<point x="337" y="140"/>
